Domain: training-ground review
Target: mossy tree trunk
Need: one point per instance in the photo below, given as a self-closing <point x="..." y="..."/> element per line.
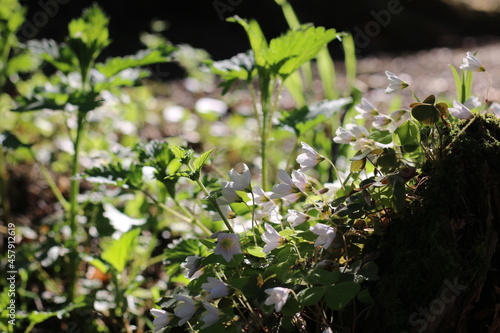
<point x="440" y="259"/>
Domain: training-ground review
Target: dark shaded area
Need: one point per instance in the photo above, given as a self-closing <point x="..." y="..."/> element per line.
<point x="377" y="25"/>
<point x="439" y="262"/>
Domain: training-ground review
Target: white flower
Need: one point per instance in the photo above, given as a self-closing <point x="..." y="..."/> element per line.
<point x="495" y="109"/>
<point x="471" y="63"/>
<point x="162" y="318"/>
<point x="309" y="158"/>
<point x="216" y="288"/>
<point x="353" y="134"/>
<point x="262" y="199"/>
<point x="272" y="238"/>
<point x="460" y="111"/>
<point x="192" y="264"/>
<point x="326" y="234"/>
<point x="366" y="110"/>
<point x="327" y="330"/>
<point x="395" y="83"/>
<point x="272" y="215"/>
<point x="227" y="245"/>
<point x="472" y="103"/>
<point x="185" y="309"/>
<point x="291" y="188"/>
<point x="381" y="122"/>
<point x="277" y="296"/>
<point x="296" y="218"/>
<point x="211" y="316"/>
<point x="240" y="181"/>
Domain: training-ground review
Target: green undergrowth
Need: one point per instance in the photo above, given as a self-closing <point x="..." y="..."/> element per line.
<point x="448" y="233"/>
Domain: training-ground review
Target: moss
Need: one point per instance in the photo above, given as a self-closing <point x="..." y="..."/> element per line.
<point x="442" y="235"/>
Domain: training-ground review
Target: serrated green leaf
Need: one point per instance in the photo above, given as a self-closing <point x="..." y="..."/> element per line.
<point x="238" y="67"/>
<point x="142" y="58"/>
<point x="289" y="52"/>
<point x="256" y="37"/>
<point x="200" y="160"/>
<point x="340" y="294"/>
<point x="118" y="252"/>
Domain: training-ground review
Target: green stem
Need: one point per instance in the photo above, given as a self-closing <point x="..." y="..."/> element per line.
<point x="73" y="206"/>
<point x="212" y="201"/>
<point x="4" y="192"/>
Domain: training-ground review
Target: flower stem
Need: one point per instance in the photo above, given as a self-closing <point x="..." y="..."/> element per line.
<point x="73" y="207"/>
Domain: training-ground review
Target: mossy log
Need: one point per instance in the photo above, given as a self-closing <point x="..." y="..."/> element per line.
<point x="440" y="258"/>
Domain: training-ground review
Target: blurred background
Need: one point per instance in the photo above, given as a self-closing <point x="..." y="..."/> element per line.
<point x="377" y="25"/>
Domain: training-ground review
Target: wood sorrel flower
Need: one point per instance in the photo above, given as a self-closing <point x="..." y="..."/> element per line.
<point x="277" y="296"/>
<point x="471" y="63"/>
<point x="185" y="309"/>
<point x="296" y="218"/>
<point x="291" y="188"/>
<point x="162" y="318"/>
<point x="353" y="134"/>
<point x="272" y="238"/>
<point x="240" y="181"/>
<point x="326" y="234"/>
<point x="216" y="288"/>
<point x="210" y="316"/>
<point x="395" y="83"/>
<point x="460" y="111"/>
<point x="309" y="158"/>
<point x="366" y="110"/>
<point x="192" y="264"/>
<point x="228" y="245"/>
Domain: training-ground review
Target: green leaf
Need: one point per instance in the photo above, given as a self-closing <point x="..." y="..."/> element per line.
<point x="118" y="252"/>
<point x="427" y="114"/>
<point x="200" y="160"/>
<point x="408" y="136"/>
<point x="10" y="141"/>
<point x="23" y="62"/>
<point x="458" y="83"/>
<point x="326" y="71"/>
<point x="358" y="165"/>
<point x="256" y="37"/>
<point x="320" y="276"/>
<point x="116" y="174"/>
<point x="142" y="58"/>
<point x="255" y="251"/>
<point x="339" y="295"/>
<point x="238" y="67"/>
<point x="365" y="297"/>
<point x="311" y="296"/>
<point x="289" y="52"/>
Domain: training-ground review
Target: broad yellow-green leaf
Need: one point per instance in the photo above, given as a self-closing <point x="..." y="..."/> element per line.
<point x="118" y="253"/>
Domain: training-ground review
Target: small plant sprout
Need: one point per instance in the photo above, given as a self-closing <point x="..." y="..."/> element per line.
<point x="471" y="63"/>
<point x="395" y="83"/>
<point x="309" y="158"/>
<point x="326" y="235"/>
<point x="185" y="308"/>
<point x="460" y="111"/>
<point x="277" y="297"/>
<point x="216" y="288"/>
<point x="228" y="245"/>
<point x="210" y="316"/>
<point x="272" y="239"/>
